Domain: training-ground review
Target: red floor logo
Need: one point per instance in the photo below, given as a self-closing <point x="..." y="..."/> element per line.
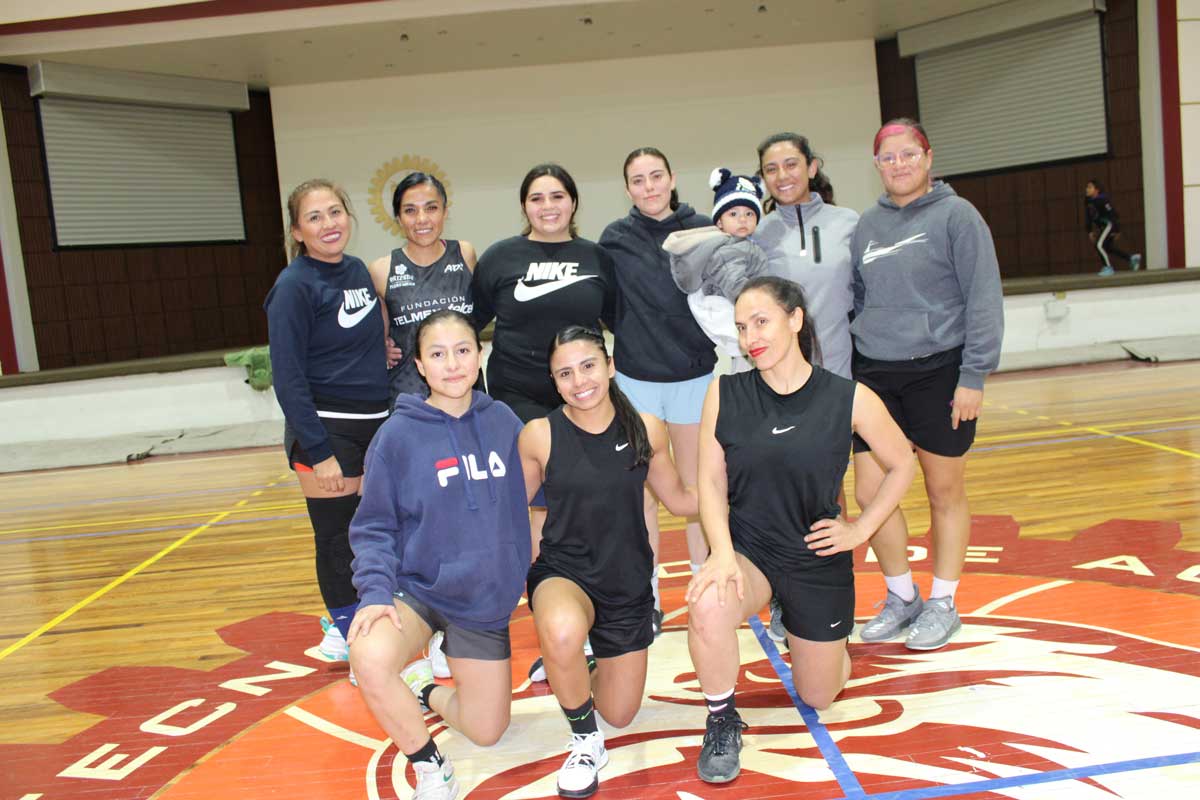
<point x="1072" y="654"/>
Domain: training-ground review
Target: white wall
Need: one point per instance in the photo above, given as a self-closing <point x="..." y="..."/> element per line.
<point x="1189" y="98"/>
<point x="1095" y="316"/>
<point x="486" y="129"/>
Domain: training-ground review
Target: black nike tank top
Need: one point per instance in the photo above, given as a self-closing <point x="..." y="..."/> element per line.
<point x="413" y="293"/>
<point x="785" y="456"/>
<point x="595" y="532"/>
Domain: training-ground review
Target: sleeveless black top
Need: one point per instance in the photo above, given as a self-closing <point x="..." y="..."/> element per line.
<point x="413" y="293"/>
<point x="595" y="532"/>
<point x="785" y="456"/>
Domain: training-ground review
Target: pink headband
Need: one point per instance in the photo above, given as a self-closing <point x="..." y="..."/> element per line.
<point x="896" y="129"/>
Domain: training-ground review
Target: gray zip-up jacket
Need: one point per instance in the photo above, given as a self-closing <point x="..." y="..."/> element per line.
<point x="926" y="280"/>
<point x="820" y="263"/>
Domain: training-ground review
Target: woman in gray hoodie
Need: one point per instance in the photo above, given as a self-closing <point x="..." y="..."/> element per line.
<point x="929" y="317"/>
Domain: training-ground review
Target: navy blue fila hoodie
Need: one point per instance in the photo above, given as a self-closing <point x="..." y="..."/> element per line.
<point x="444" y="516"/>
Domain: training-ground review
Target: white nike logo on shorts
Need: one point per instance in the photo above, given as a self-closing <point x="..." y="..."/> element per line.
<point x="348" y="320"/>
<point x="523" y="293"/>
<point x="778" y="431"/>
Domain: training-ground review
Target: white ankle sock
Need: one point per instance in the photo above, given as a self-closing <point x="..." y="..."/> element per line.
<point x="943" y="588"/>
<point x="901" y="586"/>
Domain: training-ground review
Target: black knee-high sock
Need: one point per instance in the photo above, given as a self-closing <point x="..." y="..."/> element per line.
<point x="582" y="719"/>
<point x="331" y="535"/>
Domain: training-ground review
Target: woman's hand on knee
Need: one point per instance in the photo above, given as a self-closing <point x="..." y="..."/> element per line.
<point x="366" y="616"/>
<point x="719" y="569"/>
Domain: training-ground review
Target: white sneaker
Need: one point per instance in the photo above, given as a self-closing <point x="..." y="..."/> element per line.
<point x="418" y="675"/>
<point x="333" y="645"/>
<point x="437" y="657"/>
<point x="435" y="781"/>
<point x="586" y="756"/>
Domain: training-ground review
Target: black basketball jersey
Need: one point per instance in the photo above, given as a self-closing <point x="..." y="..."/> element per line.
<point x="413" y="293"/>
<point x="785" y="456"/>
<point x="595" y="530"/>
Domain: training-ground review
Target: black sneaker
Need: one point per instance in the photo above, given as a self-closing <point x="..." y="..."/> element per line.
<point x="721" y="756"/>
<point x="656" y="621"/>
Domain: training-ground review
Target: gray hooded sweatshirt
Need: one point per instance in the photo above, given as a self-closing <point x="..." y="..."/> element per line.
<point x="820" y="263"/>
<point x="926" y="280"/>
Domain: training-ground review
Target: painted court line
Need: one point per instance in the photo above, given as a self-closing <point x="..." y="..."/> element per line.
<point x="1051" y="776"/>
<point x="1000" y="602"/>
<point x="853" y="790"/>
<point x="829" y="749"/>
<point x="113" y="584"/>
<point x="101" y="501"/>
<point x="333" y="729"/>
<point x="160" y="518"/>
<point x="134" y="531"/>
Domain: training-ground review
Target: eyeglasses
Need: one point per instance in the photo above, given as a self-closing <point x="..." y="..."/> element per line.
<point x="904" y="157"/>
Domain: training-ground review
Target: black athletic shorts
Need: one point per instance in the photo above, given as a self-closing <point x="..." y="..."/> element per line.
<point x="460" y="642"/>
<point x="618" y="629"/>
<point x="918" y="394"/>
<point x="350" y="433"/>
<point x="817" y="604"/>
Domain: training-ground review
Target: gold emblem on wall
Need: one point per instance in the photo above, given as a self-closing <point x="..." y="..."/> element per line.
<point x="387" y="177"/>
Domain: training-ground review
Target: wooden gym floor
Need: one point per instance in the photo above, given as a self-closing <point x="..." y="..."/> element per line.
<point x="159" y="620"/>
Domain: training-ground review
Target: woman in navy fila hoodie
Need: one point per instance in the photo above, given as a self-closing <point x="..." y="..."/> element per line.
<point x="441" y="543"/>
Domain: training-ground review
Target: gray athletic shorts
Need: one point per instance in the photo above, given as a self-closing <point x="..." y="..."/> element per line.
<point x="460" y="642"/>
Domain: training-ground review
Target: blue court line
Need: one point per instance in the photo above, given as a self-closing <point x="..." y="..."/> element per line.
<point x="853" y="790"/>
<point x="1053" y="776"/>
<point x="829" y="749"/>
<point x="128" y="531"/>
<point x="1081" y="438"/>
<point x="136" y="498"/>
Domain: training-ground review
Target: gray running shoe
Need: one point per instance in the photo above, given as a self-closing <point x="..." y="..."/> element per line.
<point x="721" y="756"/>
<point x="895" y="617"/>
<point x="776" y="631"/>
<point x="937" y="623"/>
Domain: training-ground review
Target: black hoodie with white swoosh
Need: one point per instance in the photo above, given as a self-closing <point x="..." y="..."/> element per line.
<point x="326" y="335"/>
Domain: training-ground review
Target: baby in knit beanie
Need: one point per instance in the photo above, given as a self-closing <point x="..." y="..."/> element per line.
<point x="712" y="264"/>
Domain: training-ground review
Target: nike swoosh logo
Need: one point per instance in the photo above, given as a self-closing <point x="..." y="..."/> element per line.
<point x="778" y="431"/>
<point x="347" y="320"/>
<point x="523" y="293"/>
<point x="834" y="625"/>
<point x="621" y="447"/>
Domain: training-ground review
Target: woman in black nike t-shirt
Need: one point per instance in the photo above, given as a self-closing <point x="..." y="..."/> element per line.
<point x="591" y="576"/>
<point x="535" y="284"/>
<point x="327" y="357"/>
<point x="774" y="445"/>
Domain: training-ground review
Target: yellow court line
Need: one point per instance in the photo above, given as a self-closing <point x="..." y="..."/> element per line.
<point x="96" y="595"/>
<point x="1135" y="440"/>
<point x="1049" y="431"/>
<point x="132" y="520"/>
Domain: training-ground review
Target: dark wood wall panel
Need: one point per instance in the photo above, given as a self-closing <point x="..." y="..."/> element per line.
<point x="1036" y="215"/>
<point x="98" y="305"/>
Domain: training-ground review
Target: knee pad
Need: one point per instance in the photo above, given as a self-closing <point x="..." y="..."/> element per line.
<point x="331" y="534"/>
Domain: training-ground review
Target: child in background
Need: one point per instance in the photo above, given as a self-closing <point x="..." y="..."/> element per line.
<point x="712" y="264"/>
<point x="1104" y="228"/>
